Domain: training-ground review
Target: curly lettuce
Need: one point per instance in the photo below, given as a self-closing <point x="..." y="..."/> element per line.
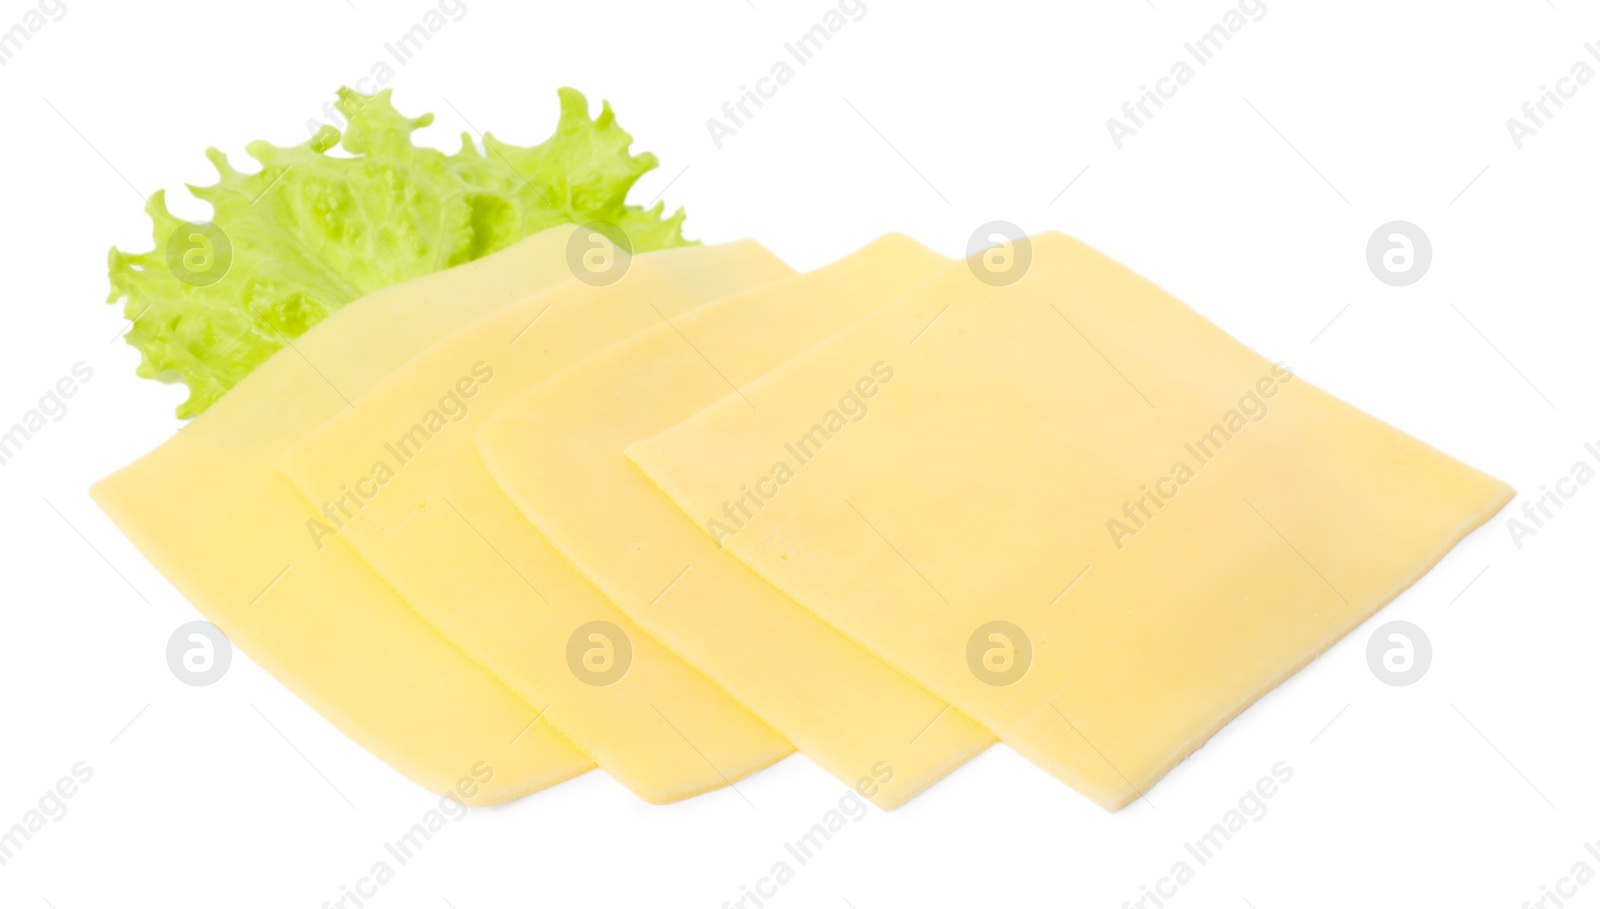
<point x="308" y="232"/>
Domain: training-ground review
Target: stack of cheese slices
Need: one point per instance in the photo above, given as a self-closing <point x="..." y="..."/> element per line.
<point x="683" y="518"/>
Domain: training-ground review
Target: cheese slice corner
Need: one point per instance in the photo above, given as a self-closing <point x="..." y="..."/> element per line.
<point x="211" y="513"/>
<point x="1078" y="511"/>
<point x="399" y="480"/>
<point x="557" y="451"/>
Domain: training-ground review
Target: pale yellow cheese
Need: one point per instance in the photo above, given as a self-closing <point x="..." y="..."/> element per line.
<point x="399" y="479"/>
<point x="1168" y="524"/>
<point x="557" y="451"/>
<point x="211" y="512"/>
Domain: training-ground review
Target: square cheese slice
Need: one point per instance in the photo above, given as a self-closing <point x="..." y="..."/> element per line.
<point x="398" y="478"/>
<point x="1073" y="507"/>
<point x="211" y="513"/>
<point x="557" y="451"/>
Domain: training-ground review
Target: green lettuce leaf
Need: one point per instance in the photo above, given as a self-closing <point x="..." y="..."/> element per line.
<point x="308" y="232"/>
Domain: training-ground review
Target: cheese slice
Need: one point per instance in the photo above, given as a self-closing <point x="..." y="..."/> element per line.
<point x="1076" y="509"/>
<point x="399" y="478"/>
<point x="210" y="511"/>
<point x="849" y="711"/>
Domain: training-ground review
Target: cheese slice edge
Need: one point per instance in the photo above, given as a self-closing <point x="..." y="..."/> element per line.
<point x="210" y="512"/>
<point x="403" y="485"/>
<point x="1080" y="512"/>
<point x="557" y="451"/>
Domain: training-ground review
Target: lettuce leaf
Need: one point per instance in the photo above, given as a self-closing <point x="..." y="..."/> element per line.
<point x="308" y="232"/>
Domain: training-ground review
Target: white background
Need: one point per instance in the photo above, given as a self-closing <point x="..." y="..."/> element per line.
<point x="1251" y="196"/>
